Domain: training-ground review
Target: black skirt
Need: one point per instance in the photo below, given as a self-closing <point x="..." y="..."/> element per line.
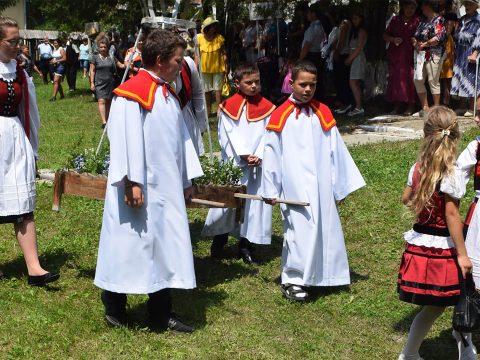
<point x="15" y="219"/>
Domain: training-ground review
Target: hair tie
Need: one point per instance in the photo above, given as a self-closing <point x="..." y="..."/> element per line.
<point x="445" y="133"/>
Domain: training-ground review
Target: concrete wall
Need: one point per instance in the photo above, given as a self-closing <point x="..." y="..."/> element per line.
<point x="17" y="12"/>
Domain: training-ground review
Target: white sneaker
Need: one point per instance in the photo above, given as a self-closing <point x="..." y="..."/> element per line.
<point x="468" y="113"/>
<point x="355" y="112"/>
<point x="420" y="113"/>
<point x="343" y="110"/>
<point x="403" y="357"/>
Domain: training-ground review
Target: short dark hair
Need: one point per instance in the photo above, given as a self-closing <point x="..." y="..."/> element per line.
<point x="303" y="65"/>
<point x="245" y="68"/>
<point x="316" y="9"/>
<point x="160" y="43"/>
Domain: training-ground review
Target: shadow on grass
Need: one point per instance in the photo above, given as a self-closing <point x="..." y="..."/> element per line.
<point x="51" y="261"/>
<point x="190" y="305"/>
<point x="444" y="346"/>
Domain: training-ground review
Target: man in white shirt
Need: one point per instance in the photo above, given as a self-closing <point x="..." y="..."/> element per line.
<point x="45" y="50"/>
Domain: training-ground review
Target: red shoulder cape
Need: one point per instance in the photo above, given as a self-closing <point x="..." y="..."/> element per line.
<point x="258" y="108"/>
<point x="140" y="88"/>
<point x="280" y="115"/>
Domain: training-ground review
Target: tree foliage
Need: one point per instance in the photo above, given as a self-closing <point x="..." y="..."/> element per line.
<point x="7" y="3"/>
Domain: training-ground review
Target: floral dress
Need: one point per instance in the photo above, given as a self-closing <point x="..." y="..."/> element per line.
<point x="426" y="30"/>
<point x="467" y="39"/>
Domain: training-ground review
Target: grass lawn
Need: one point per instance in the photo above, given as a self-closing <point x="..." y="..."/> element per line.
<point x="238" y="311"/>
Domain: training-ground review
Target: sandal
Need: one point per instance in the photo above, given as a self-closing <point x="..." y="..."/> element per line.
<point x="294" y="292"/>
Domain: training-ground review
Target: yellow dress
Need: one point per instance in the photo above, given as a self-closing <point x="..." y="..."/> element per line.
<point x="447" y="67"/>
<point x="211" y="57"/>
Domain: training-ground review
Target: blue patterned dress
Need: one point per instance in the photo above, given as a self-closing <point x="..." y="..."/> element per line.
<point x="467" y="39"/>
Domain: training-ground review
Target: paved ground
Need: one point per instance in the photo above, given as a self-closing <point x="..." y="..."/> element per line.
<point x="391" y="128"/>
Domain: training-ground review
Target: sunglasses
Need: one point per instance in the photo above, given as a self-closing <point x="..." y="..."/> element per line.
<point x="13" y="42"/>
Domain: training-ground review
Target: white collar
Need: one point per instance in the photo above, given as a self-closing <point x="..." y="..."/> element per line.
<point x="8" y="71"/>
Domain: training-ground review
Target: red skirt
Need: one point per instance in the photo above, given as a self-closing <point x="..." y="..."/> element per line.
<point x="429" y="276"/>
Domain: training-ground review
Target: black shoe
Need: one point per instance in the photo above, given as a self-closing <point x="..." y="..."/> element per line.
<point x="170" y="323"/>
<point x="115" y="308"/>
<point x="42" y="280"/>
<point x="174" y="324"/>
<point x="52" y="99"/>
<point x="246" y="256"/>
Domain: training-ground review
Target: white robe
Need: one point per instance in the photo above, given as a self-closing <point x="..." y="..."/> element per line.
<point x="18" y="152"/>
<point x="243" y="138"/>
<point x="465" y="164"/>
<point x="194" y="112"/>
<point x="148" y="249"/>
<point x="305" y="163"/>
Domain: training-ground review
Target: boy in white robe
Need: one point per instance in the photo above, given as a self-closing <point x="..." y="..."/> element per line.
<point x="305" y="159"/>
<point x="145" y="245"/>
<point x="192" y="101"/>
<point x="241" y="128"/>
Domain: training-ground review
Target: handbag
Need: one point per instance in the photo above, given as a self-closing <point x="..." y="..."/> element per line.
<point x="466" y="314"/>
<point x="226" y="87"/>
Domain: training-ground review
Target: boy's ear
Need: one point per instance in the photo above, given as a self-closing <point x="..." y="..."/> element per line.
<point x="290" y="81"/>
<point x="237" y="83"/>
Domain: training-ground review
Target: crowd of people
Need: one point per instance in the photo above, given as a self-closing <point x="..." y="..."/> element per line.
<point x="145" y="222"/>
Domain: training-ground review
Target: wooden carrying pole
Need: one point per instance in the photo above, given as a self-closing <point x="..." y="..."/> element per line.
<point x="280" y="201"/>
<point x="208" y="203"/>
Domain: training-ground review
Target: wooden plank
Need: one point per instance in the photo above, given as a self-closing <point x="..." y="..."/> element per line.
<point x="57" y="190"/>
<point x="221" y="194"/>
<point x="279" y="201"/>
<point x="93" y="187"/>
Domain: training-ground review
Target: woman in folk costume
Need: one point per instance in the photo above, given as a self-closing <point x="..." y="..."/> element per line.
<point x="305" y="159"/>
<point x="145" y="245"/>
<point x="435" y="254"/>
<point x="192" y="102"/>
<point x="19" y="126"/>
<point x="241" y="129"/>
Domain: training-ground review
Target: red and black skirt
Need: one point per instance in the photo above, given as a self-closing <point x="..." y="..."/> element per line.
<point x="429" y="276"/>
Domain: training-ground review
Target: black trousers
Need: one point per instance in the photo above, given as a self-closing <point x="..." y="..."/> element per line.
<point x="341" y="78"/>
<point x="159" y="304"/>
<point x="71" y="75"/>
<point x="45" y="68"/>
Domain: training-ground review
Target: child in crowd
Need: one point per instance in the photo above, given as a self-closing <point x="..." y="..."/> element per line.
<point x="305" y="159"/>
<point x="447" y="68"/>
<point x="145" y="245"/>
<point x="241" y="129"/>
<point x="435" y="252"/>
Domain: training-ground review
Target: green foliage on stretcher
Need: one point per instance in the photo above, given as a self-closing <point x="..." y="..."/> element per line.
<point x="219" y="172"/>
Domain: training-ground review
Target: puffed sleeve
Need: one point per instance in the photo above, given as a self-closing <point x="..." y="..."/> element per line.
<point x="453" y="185"/>
<point x="410" y="176"/>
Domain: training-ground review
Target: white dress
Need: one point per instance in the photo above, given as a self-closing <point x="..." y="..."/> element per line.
<point x="243" y="138"/>
<point x="147" y="249"/>
<point x="17" y="152"/>
<point x="306" y="163"/>
<point x="194" y="112"/>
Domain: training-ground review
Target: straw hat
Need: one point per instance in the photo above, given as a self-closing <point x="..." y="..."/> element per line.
<point x="208" y="21"/>
<point x="476" y="2"/>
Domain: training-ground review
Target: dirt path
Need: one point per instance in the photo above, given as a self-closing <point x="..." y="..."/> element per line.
<point x="391" y="128"/>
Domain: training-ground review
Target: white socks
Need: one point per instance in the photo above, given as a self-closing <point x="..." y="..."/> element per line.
<point x="419" y="329"/>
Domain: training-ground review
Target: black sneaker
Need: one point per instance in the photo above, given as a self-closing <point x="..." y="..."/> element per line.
<point x="175" y="324"/>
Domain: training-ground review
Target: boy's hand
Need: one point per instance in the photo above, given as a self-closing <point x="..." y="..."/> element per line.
<point x="270" y="201"/>
<point x="133" y="195"/>
<point x="251" y="160"/>
<point x="188" y="193"/>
